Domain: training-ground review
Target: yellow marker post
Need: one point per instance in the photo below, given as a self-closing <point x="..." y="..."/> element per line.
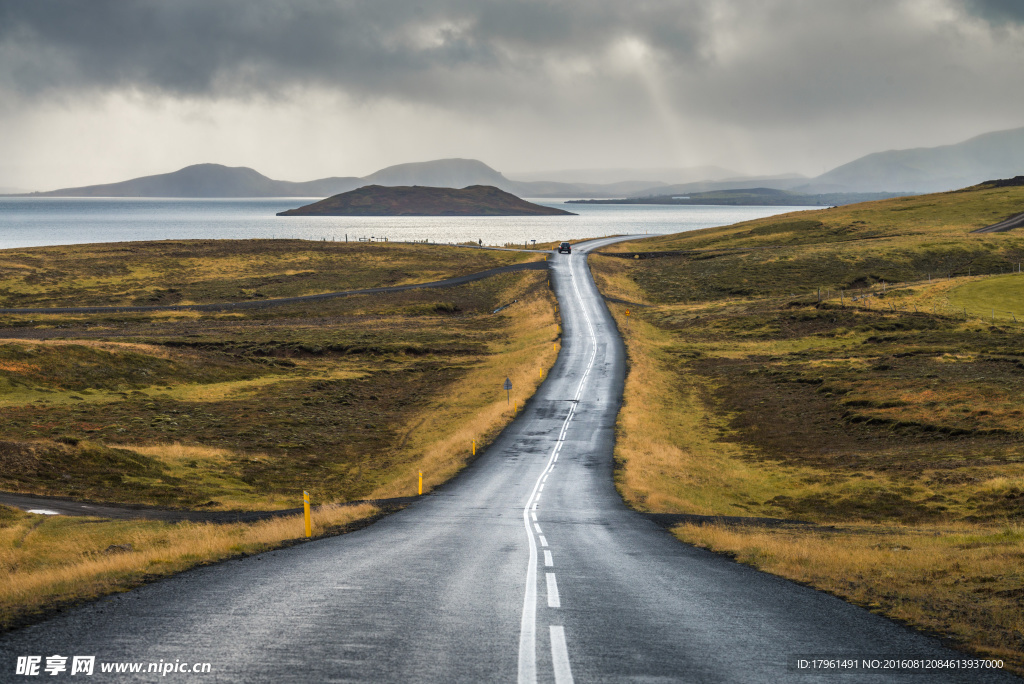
<point x="305" y="511"/>
<point x="474" y="447"/>
<point x="540" y="373"/>
<point x="421" y="483"/>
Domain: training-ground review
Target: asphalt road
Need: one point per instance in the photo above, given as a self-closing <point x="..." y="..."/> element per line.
<point x="527" y="567"/>
<point x="1015" y="221"/>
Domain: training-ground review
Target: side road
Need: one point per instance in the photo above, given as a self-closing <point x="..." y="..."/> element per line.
<point x="1015" y="221"/>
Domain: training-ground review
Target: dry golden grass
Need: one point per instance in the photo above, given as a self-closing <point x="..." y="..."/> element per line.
<point x="55" y="560"/>
<point x="149" y="349"/>
<point x="178" y="452"/>
<point x="49" y="561"/>
<point x="667" y="451"/>
<point x="677" y="452"/>
<point x="887" y="224"/>
<point x="199" y="393"/>
<point x="439" y="439"/>
<point x="612" y="280"/>
<point x="210" y="469"/>
<point x="346" y="368"/>
<point x="687" y="456"/>
<point x="963" y="581"/>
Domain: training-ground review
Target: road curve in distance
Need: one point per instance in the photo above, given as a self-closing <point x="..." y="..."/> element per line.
<point x="1015" y="221"/>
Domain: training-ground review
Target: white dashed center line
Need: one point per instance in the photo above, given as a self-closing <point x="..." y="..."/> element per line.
<point x="553" y="601"/>
<point x="528" y="625"/>
<point x="560" y="656"/>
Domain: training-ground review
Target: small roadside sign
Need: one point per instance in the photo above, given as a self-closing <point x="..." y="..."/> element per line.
<point x="627" y="312"/>
<point x="508" y="389"/>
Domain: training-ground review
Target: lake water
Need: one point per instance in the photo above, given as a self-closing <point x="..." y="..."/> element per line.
<point x="30" y="221"/>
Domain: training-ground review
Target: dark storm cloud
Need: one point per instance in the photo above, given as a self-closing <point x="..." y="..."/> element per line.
<point x="423" y="50"/>
<point x="997" y="11"/>
<point x="687" y="76"/>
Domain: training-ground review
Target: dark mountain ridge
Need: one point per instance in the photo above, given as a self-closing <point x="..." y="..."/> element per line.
<point x="379" y="200"/>
<point x="208" y="180"/>
<point x="216" y="180"/>
<point x="999" y="154"/>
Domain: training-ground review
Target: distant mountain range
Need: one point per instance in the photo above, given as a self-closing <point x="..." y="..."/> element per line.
<point x="927" y="169"/>
<point x="209" y="180"/>
<point x="932" y="169"/>
<point x="215" y="180"/>
<point x="924" y="169"/>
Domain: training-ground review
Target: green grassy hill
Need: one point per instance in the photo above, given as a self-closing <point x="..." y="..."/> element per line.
<point x="844" y="248"/>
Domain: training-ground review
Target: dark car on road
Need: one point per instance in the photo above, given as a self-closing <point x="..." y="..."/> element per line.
<point x="565" y="248"/>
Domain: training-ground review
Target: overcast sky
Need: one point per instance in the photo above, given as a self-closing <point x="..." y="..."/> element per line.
<point x="105" y="90"/>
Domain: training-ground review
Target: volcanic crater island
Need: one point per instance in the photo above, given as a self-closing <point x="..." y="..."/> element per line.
<point x="418" y="200"/>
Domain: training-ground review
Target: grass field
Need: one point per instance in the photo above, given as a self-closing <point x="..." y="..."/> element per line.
<point x="204" y="271"/>
<point x="52" y="561"/>
<point x="1000" y="298"/>
<point x="893" y="421"/>
<point x="345" y="398"/>
<point x="854" y="248"/>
